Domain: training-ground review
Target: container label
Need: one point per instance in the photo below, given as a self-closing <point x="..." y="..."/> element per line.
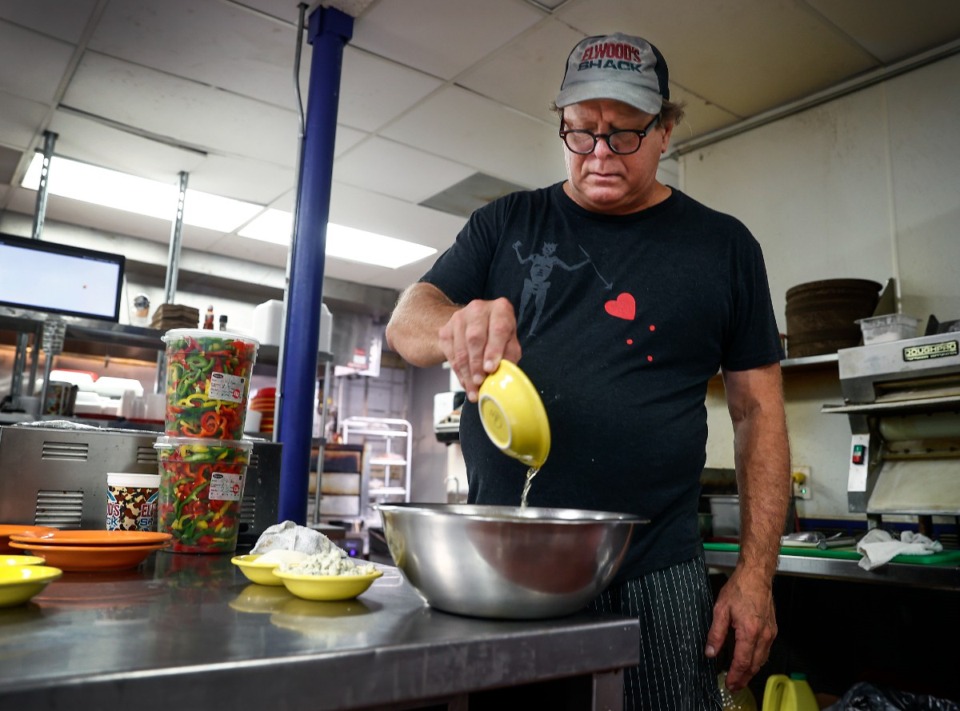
<point x="225" y="487"/>
<point x="226" y="387"/>
<point x="944" y="349"/>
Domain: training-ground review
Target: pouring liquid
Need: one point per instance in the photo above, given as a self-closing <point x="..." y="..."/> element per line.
<point x="531" y="472"/>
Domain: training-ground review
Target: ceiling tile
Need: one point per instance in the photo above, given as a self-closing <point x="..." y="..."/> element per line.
<point x="374" y="90"/>
<point x="31" y="66"/>
<point x="391" y="168"/>
<point x="515" y="75"/>
<point x="20" y="121"/>
<point x="207" y="41"/>
<point x="92" y="142"/>
<point x="192" y="113"/>
<point x="441" y="38"/>
<point x="243" y="178"/>
<point x="384" y="215"/>
<point x="54" y="18"/>
<point x="893" y="30"/>
<point x="485" y="135"/>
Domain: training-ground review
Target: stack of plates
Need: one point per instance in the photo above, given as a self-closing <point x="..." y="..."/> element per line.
<point x="12" y="529"/>
<point x="264" y="402"/>
<point x="93" y="550"/>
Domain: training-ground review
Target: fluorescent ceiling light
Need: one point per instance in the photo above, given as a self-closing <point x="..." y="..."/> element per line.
<point x="100" y="186"/>
<point x="342" y="242"/>
<point x="121" y="191"/>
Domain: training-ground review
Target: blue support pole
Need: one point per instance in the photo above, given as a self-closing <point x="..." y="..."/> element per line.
<point x="329" y="31"/>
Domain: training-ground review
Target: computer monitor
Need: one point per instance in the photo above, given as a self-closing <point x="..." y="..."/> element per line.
<point x="56" y="278"/>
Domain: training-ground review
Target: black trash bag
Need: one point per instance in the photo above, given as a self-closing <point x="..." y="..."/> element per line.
<point x="867" y="697"/>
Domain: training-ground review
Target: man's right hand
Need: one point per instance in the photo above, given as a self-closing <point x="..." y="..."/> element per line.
<point x="476" y="338"/>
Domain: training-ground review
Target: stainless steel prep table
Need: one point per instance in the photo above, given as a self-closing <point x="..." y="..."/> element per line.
<point x="190" y="632"/>
<point x="933" y="577"/>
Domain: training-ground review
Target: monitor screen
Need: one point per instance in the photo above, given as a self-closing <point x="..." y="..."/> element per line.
<point x="44" y="276"/>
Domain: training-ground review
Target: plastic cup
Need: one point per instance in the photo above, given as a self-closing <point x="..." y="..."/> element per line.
<point x="132" y="501"/>
<point x="207" y="383"/>
<point x="201" y="488"/>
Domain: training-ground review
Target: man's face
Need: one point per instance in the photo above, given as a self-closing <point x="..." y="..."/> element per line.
<point x="607" y="182"/>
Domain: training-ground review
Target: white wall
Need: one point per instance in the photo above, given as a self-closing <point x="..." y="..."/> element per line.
<point x="865" y="186"/>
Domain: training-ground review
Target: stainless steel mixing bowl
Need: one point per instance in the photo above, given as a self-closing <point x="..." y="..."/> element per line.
<point x="506" y="562"/>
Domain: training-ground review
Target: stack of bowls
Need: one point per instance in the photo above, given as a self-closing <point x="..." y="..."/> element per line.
<point x="264" y="402"/>
<point x="203" y="456"/>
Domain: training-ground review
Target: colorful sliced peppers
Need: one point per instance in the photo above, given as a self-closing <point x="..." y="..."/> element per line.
<point x="207" y="383"/>
<point x="201" y="488"/>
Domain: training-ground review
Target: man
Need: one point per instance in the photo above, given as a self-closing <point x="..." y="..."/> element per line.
<point x="656" y="294"/>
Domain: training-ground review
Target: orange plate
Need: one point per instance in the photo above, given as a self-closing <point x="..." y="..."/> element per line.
<point x="93" y="537"/>
<point x="91" y="558"/>
<point x="11" y="529"/>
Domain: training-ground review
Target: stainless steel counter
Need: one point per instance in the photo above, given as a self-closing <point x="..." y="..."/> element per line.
<point x="190" y="632"/>
<point x="936" y="577"/>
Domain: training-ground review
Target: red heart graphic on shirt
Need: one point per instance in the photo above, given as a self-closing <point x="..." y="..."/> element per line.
<point x="624" y="307"/>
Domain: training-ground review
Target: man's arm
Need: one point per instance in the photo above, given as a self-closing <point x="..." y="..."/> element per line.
<point x="414" y="327"/>
<point x="427" y="328"/>
<point x="762" y="458"/>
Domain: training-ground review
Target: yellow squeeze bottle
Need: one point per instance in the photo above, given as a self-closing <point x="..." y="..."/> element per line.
<point x="793" y="693"/>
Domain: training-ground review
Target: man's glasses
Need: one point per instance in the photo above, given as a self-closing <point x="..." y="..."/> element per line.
<point x="623" y="141"/>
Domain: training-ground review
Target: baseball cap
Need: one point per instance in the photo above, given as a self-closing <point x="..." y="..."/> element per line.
<point x="618" y="66"/>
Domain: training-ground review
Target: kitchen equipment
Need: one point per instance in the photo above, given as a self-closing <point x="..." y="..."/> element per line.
<point x="56" y="476"/>
<point x="902" y="399"/>
<point x="506" y="562"/>
<point x="513" y="415"/>
<point x="788" y="693"/>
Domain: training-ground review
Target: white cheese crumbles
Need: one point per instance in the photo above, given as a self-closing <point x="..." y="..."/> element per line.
<point x="303" y="551"/>
<point x="328" y="562"/>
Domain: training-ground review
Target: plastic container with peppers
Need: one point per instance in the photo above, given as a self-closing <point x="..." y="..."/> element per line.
<point x="201" y="487"/>
<point x="207" y="383"/>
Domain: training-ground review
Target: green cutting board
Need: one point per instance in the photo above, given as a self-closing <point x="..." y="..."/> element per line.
<point x="941" y="558"/>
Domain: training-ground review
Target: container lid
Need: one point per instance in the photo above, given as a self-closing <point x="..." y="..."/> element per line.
<point x="166" y="442"/>
<point x="198" y="333"/>
<point x="131" y="479"/>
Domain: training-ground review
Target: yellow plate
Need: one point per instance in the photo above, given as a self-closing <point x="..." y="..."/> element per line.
<point x="260" y="573"/>
<point x="6" y="560"/>
<point x="513" y="415"/>
<point x="19" y="583"/>
<point x="327" y="587"/>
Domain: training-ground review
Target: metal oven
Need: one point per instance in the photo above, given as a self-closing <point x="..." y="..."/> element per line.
<point x="902" y="399"/>
<point x="56" y="474"/>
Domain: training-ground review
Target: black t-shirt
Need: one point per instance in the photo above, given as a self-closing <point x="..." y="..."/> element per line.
<point x="623" y="320"/>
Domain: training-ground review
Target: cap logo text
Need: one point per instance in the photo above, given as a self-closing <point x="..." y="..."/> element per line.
<point x="611" y="50"/>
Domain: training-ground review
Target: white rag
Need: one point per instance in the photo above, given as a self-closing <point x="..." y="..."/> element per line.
<point x="289" y="536"/>
<point x="878" y="547"/>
